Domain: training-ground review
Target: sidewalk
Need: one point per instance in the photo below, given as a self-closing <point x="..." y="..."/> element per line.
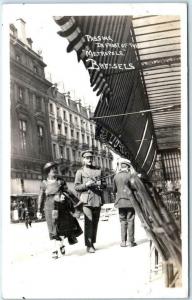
<point x="111" y="272"/>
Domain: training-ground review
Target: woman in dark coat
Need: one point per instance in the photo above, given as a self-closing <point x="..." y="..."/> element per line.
<point x="59" y="206"/>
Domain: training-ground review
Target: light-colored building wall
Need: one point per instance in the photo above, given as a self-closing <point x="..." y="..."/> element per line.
<point x="74" y="132"/>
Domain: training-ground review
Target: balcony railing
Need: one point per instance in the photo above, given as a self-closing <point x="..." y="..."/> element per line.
<point x="61" y="138"/>
<point x="71" y="125"/>
<point x="84" y="146"/>
<point x="59" y="119"/>
<point x="76" y="164"/>
<point x="74" y="143"/>
<point x="103" y="152"/>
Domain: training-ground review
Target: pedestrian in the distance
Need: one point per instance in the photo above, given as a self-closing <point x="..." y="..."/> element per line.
<point x="59" y="210"/>
<point x="121" y="188"/>
<point x="27" y="218"/>
<point x="89" y="185"/>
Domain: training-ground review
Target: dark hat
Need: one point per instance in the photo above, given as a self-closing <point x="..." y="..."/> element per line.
<point x="49" y="165"/>
<point x="87" y="153"/>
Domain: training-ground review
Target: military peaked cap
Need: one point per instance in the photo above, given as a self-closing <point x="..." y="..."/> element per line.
<point x="87" y="153"/>
<point x="126" y="162"/>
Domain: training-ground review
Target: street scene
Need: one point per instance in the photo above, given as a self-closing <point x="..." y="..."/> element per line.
<point x="97" y="205"/>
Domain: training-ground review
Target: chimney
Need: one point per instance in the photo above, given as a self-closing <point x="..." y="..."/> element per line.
<point x="79" y="105"/>
<point x="21" y="31"/>
<point x="30" y="42"/>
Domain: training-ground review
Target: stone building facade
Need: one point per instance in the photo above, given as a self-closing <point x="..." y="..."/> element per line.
<point x="30" y="133"/>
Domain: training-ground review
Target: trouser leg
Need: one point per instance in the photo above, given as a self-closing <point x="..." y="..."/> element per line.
<point x="123" y="222"/>
<point x="96" y="215"/>
<point x="88" y="225"/>
<point x="131" y="223"/>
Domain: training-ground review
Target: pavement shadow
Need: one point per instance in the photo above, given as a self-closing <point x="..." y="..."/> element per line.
<point x="81" y="252"/>
<point x="142" y="241"/>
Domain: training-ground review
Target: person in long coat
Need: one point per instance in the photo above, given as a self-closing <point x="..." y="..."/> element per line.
<point x="89" y="185"/>
<point x="59" y="210"/>
<point x="122" y="190"/>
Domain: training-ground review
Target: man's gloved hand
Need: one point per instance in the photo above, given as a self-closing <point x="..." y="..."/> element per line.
<point x="90" y="183"/>
<point x="39" y="215"/>
<point x="98" y="182"/>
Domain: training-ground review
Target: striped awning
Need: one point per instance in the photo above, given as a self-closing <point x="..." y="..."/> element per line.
<point x="107" y="45"/>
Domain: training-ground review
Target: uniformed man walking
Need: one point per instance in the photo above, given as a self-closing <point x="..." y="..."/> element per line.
<point x="89" y="184"/>
<point x="121" y="187"/>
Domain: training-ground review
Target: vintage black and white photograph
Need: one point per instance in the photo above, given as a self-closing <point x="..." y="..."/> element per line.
<point x="96" y="202"/>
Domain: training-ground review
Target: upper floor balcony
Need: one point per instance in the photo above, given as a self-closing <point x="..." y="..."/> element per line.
<point x="61" y="138"/>
<point x="84" y="146"/>
<point x="76" y="164"/>
<point x="82" y="129"/>
<point x="74" y="143"/>
<point x="103" y="152"/>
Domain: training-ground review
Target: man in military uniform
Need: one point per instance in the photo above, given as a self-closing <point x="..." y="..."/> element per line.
<point x="123" y="193"/>
<point x="89" y="184"/>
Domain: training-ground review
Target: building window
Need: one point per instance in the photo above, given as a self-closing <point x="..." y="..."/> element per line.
<point x="72" y="133"/>
<point x="54" y="151"/>
<point x="74" y="155"/>
<point x="93" y="142"/>
<point x="78" y="136"/>
<point x="64" y="115"/>
<point x="35" y="69"/>
<point x="38" y="103"/>
<point x="40" y="139"/>
<point x="21" y="93"/>
<point x="59" y="128"/>
<point x="23" y="134"/>
<point x="66" y="130"/>
<point x="76" y="121"/>
<point x="52" y="127"/>
<point x="61" y="149"/>
<point x="18" y="58"/>
<point x="68" y="153"/>
<point x="70" y="118"/>
<point x="88" y="140"/>
<point x="58" y="113"/>
<point x="99" y="162"/>
<point x="51" y="108"/>
<point x="83" y="138"/>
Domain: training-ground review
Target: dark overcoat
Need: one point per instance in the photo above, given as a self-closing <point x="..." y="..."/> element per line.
<point x="58" y="198"/>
